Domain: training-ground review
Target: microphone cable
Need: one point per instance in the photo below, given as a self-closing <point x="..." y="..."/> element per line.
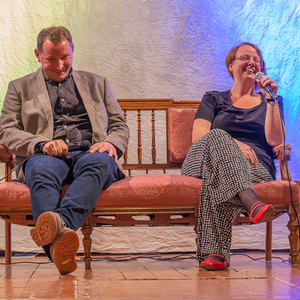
<point x="258" y="76"/>
<point x="287" y="170"/>
<point x="80" y="146"/>
<point x="20" y="164"/>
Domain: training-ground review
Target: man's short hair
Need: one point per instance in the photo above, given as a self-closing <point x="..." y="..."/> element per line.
<point x="54" y="34"/>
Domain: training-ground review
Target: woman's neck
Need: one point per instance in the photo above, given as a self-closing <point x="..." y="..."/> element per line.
<point x="243" y="96"/>
<point x="239" y="90"/>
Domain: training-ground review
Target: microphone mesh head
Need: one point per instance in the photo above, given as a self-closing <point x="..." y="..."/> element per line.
<point x="259" y="75"/>
<point x="85" y="145"/>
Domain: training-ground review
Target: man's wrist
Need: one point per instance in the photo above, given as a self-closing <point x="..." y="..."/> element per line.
<point x="39" y="147"/>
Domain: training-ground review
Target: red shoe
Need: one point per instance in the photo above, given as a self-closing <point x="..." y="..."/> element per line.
<point x="264" y="213"/>
<point x="213" y="265"/>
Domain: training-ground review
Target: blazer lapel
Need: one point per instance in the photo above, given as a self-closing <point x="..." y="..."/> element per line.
<point x="83" y="90"/>
<point x="85" y="93"/>
<point x="38" y="82"/>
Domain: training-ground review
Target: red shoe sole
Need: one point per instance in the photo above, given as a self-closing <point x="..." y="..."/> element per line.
<point x="212" y="265"/>
<point x="263" y="214"/>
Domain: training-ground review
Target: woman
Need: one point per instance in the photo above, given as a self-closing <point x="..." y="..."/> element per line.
<point x="233" y="136"/>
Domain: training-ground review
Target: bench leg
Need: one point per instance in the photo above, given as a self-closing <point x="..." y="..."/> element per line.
<point x="86" y="230"/>
<point x="268" y="251"/>
<point x="294" y="234"/>
<point x="7" y="243"/>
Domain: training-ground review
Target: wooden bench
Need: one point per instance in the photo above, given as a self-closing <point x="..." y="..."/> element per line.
<point x="153" y="199"/>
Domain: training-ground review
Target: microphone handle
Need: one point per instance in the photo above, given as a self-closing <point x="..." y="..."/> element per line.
<point x="269" y="90"/>
<point x="81" y="146"/>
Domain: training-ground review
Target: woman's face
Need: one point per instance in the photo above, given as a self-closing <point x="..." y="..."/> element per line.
<point x="246" y="64"/>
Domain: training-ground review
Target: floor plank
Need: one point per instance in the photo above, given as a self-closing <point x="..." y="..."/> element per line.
<point x="167" y="276"/>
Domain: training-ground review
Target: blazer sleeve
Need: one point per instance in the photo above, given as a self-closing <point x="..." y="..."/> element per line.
<point x="12" y="133"/>
<point x="105" y="114"/>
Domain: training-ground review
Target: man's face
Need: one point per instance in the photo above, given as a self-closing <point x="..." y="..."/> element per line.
<point x="56" y="59"/>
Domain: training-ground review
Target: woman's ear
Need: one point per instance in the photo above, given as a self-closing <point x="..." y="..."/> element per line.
<point x="230" y="68"/>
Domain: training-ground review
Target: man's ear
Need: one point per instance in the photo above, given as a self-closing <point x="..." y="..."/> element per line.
<point x="37" y="55"/>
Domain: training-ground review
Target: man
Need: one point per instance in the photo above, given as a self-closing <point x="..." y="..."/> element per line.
<point x="48" y="115"/>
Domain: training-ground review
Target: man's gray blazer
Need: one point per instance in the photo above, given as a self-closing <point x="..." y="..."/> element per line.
<point x="27" y="118"/>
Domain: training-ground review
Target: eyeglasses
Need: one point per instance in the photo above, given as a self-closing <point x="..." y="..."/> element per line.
<point x="246" y="58"/>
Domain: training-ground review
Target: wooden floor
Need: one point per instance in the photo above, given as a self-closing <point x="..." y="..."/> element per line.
<point x="171" y="276"/>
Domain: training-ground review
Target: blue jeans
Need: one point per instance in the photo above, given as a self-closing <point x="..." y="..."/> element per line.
<point x="88" y="174"/>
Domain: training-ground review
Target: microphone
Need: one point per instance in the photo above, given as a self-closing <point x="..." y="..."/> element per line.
<point x="258" y="76"/>
<point x="81" y="146"/>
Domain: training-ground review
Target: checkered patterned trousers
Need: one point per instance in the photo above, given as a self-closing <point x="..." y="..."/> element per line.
<point x="218" y="161"/>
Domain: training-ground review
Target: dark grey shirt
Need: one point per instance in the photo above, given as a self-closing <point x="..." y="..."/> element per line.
<point x="71" y="121"/>
<point x="245" y="125"/>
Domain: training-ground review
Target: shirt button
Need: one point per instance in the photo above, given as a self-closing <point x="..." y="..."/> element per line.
<point x="67" y="141"/>
<point x="65" y="126"/>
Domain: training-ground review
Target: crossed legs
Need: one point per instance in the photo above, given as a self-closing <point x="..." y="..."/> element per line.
<point x="57" y="219"/>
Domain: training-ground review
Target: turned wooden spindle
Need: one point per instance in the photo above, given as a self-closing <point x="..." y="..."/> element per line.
<point x="153" y="137"/>
<point x="294" y="233"/>
<point x="125" y="156"/>
<point x="139" y="123"/>
<point x="8" y="252"/>
<point x="86" y="230"/>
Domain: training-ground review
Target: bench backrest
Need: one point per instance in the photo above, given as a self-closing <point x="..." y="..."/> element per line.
<point x="167" y="120"/>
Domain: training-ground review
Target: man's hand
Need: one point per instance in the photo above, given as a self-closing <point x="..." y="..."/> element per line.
<point x="248" y="152"/>
<point x="105" y="147"/>
<point x="56" y="148"/>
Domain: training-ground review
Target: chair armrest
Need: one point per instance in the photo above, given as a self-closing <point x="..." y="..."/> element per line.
<point x="8" y="159"/>
<point x="283" y="155"/>
<point x="5" y="156"/>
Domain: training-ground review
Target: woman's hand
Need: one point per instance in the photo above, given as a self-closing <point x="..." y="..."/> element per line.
<point x="265" y="80"/>
<point x="248" y="152"/>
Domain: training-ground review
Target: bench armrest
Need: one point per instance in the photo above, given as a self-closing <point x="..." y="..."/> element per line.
<point x="5" y="156"/>
<point x="8" y="159"/>
<point x="283" y="155"/>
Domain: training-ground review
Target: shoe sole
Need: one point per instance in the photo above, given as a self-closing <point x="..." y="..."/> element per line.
<point x="47" y="227"/>
<point x="208" y="264"/>
<point x="209" y="268"/>
<point x="63" y="251"/>
<point x="267" y="214"/>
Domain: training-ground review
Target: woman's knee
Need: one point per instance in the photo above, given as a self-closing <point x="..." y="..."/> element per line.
<point x="218" y="133"/>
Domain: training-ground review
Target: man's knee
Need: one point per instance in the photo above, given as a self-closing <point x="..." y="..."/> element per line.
<point x="43" y="164"/>
<point x="96" y="161"/>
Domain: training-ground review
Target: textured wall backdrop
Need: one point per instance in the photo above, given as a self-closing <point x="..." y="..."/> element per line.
<point x="160" y="48"/>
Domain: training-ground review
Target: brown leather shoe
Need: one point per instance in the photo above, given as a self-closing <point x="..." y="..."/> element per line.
<point x="48" y="225"/>
<point x="64" y="249"/>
